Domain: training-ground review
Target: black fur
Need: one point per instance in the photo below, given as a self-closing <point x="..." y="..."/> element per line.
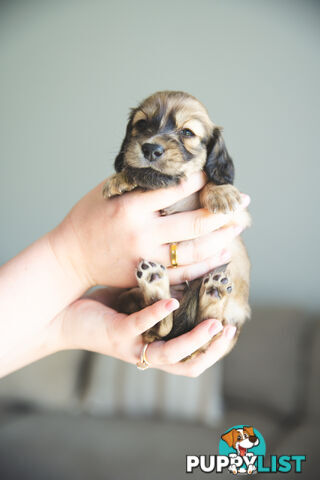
<point x="186" y="154"/>
<point x="152" y="126"/>
<point x="119" y="161"/>
<point x="185" y="318"/>
<point x="149" y="178"/>
<point x="219" y="166"/>
<point x="170" y="125"/>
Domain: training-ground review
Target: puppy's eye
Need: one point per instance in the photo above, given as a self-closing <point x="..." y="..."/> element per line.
<point x="141" y="125"/>
<point x="239" y="438"/>
<point x="186" y="132"/>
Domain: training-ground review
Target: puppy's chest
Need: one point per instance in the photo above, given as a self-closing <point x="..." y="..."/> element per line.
<point x="190" y="203"/>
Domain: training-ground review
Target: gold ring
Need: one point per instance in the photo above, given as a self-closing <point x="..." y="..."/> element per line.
<point x="173" y="255"/>
<point x="143" y="363"/>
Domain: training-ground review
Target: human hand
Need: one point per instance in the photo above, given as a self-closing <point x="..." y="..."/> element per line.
<point x="103" y="240"/>
<point x="90" y="324"/>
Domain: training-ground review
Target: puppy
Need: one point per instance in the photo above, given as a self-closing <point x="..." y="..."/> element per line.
<point x="170" y="136"/>
<point x="241" y="439"/>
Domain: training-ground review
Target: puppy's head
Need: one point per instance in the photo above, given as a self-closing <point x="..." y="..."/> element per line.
<point x="241" y="438"/>
<point x="170" y="136"/>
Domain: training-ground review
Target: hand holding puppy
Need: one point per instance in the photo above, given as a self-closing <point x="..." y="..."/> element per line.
<point x="102" y="241"/>
<point x="169" y="137"/>
<point x="98" y="242"/>
<point x="91" y="324"/>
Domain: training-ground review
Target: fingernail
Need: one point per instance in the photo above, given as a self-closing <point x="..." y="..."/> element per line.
<point x="237" y="229"/>
<point x="245" y="200"/>
<point x="230" y="333"/>
<point x="225" y="256"/>
<point x="172" y="304"/>
<point x="215" y="328"/>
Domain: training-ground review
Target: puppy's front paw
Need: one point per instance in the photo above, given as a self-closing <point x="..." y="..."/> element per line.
<point x="117" y="184"/>
<point x="220" y="198"/>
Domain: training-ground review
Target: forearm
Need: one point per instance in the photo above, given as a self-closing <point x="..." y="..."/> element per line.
<point x="35" y="286"/>
<point x="99" y="242"/>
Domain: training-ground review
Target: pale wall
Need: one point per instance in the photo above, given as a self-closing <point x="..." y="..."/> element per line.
<point x="70" y="70"/>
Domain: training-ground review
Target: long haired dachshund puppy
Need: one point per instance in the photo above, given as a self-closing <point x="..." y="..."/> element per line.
<point x="170" y="136"/>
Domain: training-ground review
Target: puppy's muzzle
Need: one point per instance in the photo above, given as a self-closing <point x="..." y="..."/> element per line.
<point x="152" y="151"/>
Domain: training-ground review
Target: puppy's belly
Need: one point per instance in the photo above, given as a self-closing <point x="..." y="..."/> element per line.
<point x="240" y="217"/>
<point x="190" y="203"/>
<point x="237" y="309"/>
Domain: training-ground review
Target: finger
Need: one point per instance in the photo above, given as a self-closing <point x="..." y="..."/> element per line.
<point x="200" y="363"/>
<point x="190" y="225"/>
<point x="172" y="351"/>
<point x="199" y="249"/>
<point x="245" y="200"/>
<point x="218" y="349"/>
<point x="157" y="199"/>
<point x="139" y="322"/>
<point x="187" y="273"/>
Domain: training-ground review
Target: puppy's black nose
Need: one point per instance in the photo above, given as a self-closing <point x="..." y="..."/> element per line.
<point x="253" y="438"/>
<point x="152" y="151"/>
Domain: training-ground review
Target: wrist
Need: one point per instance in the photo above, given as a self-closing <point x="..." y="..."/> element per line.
<point x="69" y="255"/>
<point x="81" y="326"/>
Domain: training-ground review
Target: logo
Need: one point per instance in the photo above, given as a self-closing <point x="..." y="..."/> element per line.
<point x="242" y="451"/>
<point x="242" y="444"/>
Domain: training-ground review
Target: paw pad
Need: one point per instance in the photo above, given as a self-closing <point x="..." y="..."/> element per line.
<point x="148" y="272"/>
<point x="217" y="285"/>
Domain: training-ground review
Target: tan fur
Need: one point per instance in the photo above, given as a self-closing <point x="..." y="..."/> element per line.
<point x="139" y="115"/>
<point x="152" y="291"/>
<point x="222" y="295"/>
<point x="187" y="106"/>
<point x="117" y="184"/>
<point x="172" y="163"/>
<point x="190" y="113"/>
<point x="220" y="198"/>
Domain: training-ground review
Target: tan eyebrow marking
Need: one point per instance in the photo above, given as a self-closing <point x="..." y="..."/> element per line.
<point x="186" y="114"/>
<point x="140" y="115"/>
<point x="195" y="126"/>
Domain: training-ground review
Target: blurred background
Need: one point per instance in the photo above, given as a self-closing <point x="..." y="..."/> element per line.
<point x="70" y="71"/>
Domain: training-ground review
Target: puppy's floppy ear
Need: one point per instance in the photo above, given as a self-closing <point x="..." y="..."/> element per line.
<point x="249" y="431"/>
<point x="229" y="437"/>
<point x="119" y="161"/>
<point x="219" y="165"/>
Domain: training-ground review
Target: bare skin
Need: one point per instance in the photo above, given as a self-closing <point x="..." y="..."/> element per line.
<point x="91" y="324"/>
<point x="101" y="242"/>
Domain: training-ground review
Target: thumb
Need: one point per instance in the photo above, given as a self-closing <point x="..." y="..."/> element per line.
<point x="139" y="322"/>
<point x="83" y="325"/>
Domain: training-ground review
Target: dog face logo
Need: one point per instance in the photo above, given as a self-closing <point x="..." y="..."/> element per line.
<point x="242" y="444"/>
<point x="242" y="451"/>
<point x="241" y="439"/>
